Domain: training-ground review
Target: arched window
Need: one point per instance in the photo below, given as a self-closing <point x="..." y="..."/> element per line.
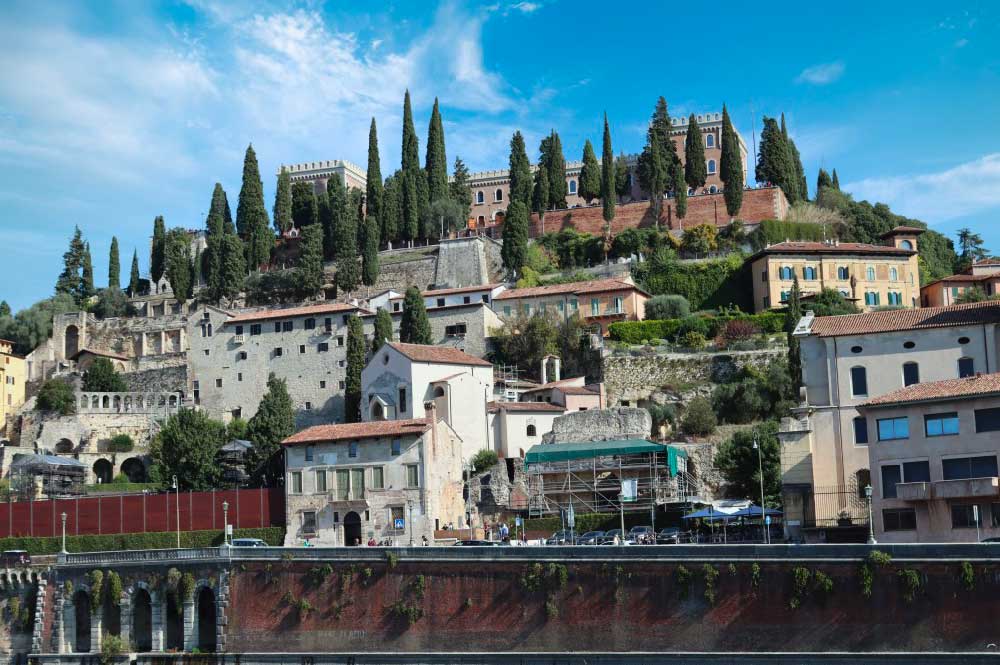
<point x="786" y="272"/>
<point x="842" y="273"/>
<point x="711" y="166"/>
<point x="532" y="431"/>
<point x="893" y="274"/>
<point x="905" y="244"/>
<point x="713" y="189"/>
<point x="438" y="391"/>
<point x="809" y="272"/>
<point x="498" y="195"/>
<point x="863" y="477"/>
<point x="480" y="197"/>
<point x="870" y="273"/>
<point x="572" y="186"/>
<point x="911" y="373"/>
<point x="709" y="140"/>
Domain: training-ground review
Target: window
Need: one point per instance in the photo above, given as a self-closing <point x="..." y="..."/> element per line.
<point x="342" y="385"/>
<point x="486" y="297"/>
<point x="278" y="351"/>
<point x="917" y="472"/>
<point x="527" y="309"/>
<point x="899" y="519"/>
<point x="455" y="330"/>
<point x="905" y="244"/>
<point x="911" y="374"/>
<point x="277" y="326"/>
<point x="595" y="306"/>
<point x="239" y="376"/>
<point x="988" y="420"/>
<point x="254" y="329"/>
<point x="963" y="340"/>
<point x="572" y="186"/>
<point x="872" y="298"/>
<point x="412" y="475"/>
<point x="352" y="449"/>
<point x="861" y="431"/>
<point x="531" y="431"/>
<point x="843" y="273"/>
<point x="856" y="349"/>
<point x="322" y="347"/>
<point x="378" y="478"/>
<point x="466" y="300"/>
<point x="941" y="424"/>
<point x="859" y="381"/>
<point x="960" y="468"/>
<point x="785" y="295"/>
<point x="310" y="324"/>
<point x="890" y="429"/>
<point x="357" y="483"/>
<point x="309" y="453"/>
<point x="763" y="275"/>
<point x="498" y="195"/>
<point x="574" y="304"/>
<point x="309" y="406"/>
<point x="709" y="140"/>
<point x="402" y="400"/>
<point x="328" y="325"/>
<point x="343" y="484"/>
<point x="302" y="348"/>
<point x="440" y="302"/>
<point x="786" y="272"/>
<point x="239" y="330"/>
<point x="890" y="477"/>
<point x="711" y="166"/>
<point x="397" y="447"/>
<point x="480" y="197"/>
<point x="619" y="305"/>
<point x="965" y="516"/>
<point x="286" y="326"/>
<point x="870" y="273"/>
<point x="863" y="480"/>
<point x="309" y="521"/>
<point x="396" y="513"/>
<point x="895" y="298"/>
<point x="893" y="274"/>
<point x="218" y="383"/>
<point x="321" y="482"/>
<point x="809" y="272"/>
<point x="296" y="482"/>
<point x="966" y="367"/>
<point x="506" y="310"/>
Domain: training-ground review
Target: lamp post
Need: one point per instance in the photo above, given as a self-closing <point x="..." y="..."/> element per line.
<point x="225" y="523"/>
<point x="64" y="533"/>
<point x="409" y="504"/>
<point x="871" y="522"/>
<point x="760" y="468"/>
<point x="177" y="510"/>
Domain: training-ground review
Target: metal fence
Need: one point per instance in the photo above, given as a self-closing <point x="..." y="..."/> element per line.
<point x="838" y="505"/>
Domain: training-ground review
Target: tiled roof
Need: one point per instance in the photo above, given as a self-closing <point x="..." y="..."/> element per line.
<point x="593" y="286"/>
<point x="965" y="277"/>
<point x="523" y="407"/>
<point x="369" y="430"/>
<point x="907" y="319"/>
<point x="913" y="230"/>
<point x="554" y="384"/>
<point x="102" y="354"/>
<point x="438" y="354"/>
<point x="972" y="386"/>
<point x="827" y="248"/>
<point x="992" y="261"/>
<point x="460" y="289"/>
<point x="577" y="390"/>
<point x="289" y="312"/>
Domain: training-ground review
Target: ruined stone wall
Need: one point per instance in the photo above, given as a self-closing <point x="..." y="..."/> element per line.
<point x="398" y="276"/>
<point x="600" y="425"/>
<point x="163" y="374"/>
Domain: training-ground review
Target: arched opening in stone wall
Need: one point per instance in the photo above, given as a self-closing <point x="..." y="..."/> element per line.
<point x="103" y="471"/>
<point x="72" y="339"/>
<point x="352" y="529"/>
<point x="134" y="469"/>
<point x="175" y="623"/>
<point x="81" y="610"/>
<point x="206" y="620"/>
<point x="111" y="615"/>
<point x="64" y="446"/>
<point x="142" y="621"/>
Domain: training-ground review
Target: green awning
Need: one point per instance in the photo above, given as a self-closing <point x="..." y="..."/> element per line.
<point x="558" y="452"/>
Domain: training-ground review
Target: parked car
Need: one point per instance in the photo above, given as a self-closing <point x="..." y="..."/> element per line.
<point x="994" y="539"/>
<point x="16" y="558"/>
<point x="669" y="536"/>
<point x="478" y="543"/>
<point x="641" y="535"/>
<point x="249" y="542"/>
<point x="560" y="538"/>
<point x="590" y="538"/>
<point x="609" y="537"/>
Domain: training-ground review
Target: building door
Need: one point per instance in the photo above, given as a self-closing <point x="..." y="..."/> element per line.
<point x="81" y="609"/>
<point x="142" y="621"/>
<point x="352" y="529"/>
<point x="206" y="620"/>
<point x="72" y="339"/>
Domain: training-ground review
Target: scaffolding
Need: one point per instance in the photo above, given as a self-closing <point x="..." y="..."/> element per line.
<point x="507" y="384"/>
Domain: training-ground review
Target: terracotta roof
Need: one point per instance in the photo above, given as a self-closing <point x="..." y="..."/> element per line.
<point x="460" y="289"/>
<point x="289" y="312"/>
<point x="554" y="384"/>
<point x="909" y="230"/>
<point x="103" y="354"/>
<point x="369" y="430"/>
<point x="523" y="407"/>
<point x="992" y="261"/>
<point x="577" y="390"/>
<point x="593" y="286"/>
<point x="965" y="277"/>
<point x="827" y="248"/>
<point x="972" y="386"/>
<point x="442" y="355"/>
<point x="907" y="319"/>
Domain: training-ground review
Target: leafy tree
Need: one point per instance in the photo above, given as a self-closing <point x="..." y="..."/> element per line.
<point x="447" y="215"/>
<point x="177" y="258"/>
<point x="515" y="237"/>
<point x="520" y="171"/>
<point x="680" y="190"/>
<point x="699" y="419"/>
<point x="774" y="163"/>
<point x="700" y="240"/>
<point x="436" y="162"/>
<point x="589" y="186"/>
<point x="383" y="329"/>
<point x="667" y="307"/>
<point x="338" y="202"/>
<point x="233" y="265"/>
<point x="283" y="203"/>
<point x="133" y="279"/>
<point x="830" y="302"/>
<point x="731" y="166"/>
<point x="346" y="233"/>
<point x="754" y="395"/>
<point x="369" y="249"/>
<point x="157" y="258"/>
<point x="273" y="423"/>
<point x="305" y="208"/>
<point x="309" y="272"/>
<point x="356" y="347"/>
<point x="56" y="396"/>
<point x="114" y="266"/>
<point x="695" y="171"/>
<point x="237" y="429"/>
<point x="792" y="316"/>
<point x="186" y="447"/>
<point x="252" y="223"/>
<point x="524" y="340"/>
<point x="460" y="192"/>
<point x="623" y="183"/>
<point x="608" y="175"/>
<point x="484" y="460"/>
<point x="975" y="294"/>
<point x="738" y="461"/>
<point x="540" y="195"/>
<point x="835" y="180"/>
<point x="391" y="215"/>
<point x="796" y="160"/>
<point x="823" y="180"/>
<point x="69" y="279"/>
<point x="86" y="275"/>
<point x="4" y="309"/>
<point x="657" y="158"/>
<point x="111" y="303"/>
<point x="970" y="246"/>
<point x="374" y="190"/>
<point x="101" y="377"/>
<point x="32" y="326"/>
<point x="554" y="162"/>
<point x="414" y="326"/>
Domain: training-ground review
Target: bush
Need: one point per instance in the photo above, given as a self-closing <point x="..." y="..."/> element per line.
<point x="705" y="284"/>
<point x="101" y="377"/>
<point x="737" y="330"/>
<point x="57" y="396"/>
<point x="698" y="324"/>
<point x="692" y="339"/>
<point x="137" y="541"/>
<point x="484" y="460"/>
<point x="699" y="418"/>
<point x="667" y="307"/>
<point x="121" y="443"/>
<point x="633" y="332"/>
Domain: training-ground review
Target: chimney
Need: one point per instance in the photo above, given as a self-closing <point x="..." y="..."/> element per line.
<point x="545" y="361"/>
<point x="430" y="411"/>
<point x="556" y="369"/>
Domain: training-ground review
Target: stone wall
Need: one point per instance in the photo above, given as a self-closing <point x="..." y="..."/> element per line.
<point x="419" y="272"/>
<point x="165" y="378"/>
<point x="600" y="425"/>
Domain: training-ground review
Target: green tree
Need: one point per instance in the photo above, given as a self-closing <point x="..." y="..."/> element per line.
<point x="823" y="180"/>
<point x="186" y="447"/>
<point x="515" y="237"/>
<point x="369" y="251"/>
<point x="114" y="266"/>
<point x="4" y="309"/>
<point x="348" y="271"/>
<point x="215" y="226"/>
<point x="695" y="171"/>
<point x="411" y="206"/>
<point x="414" y="326"/>
<point x="656" y="161"/>
<point x="436" y="162"/>
<point x="699" y="418"/>
<point x="460" y="192"/>
<point x="623" y="183"/>
<point x="101" y="377"/>
<point x="520" y="170"/>
<point x="415" y="192"/>
<point x="774" y="163"/>
<point x="355" y="363"/>
<point x="660" y="308"/>
<point x="554" y="161"/>
<point x="680" y="190"/>
<point x="309" y="273"/>
<point x="796" y="160"/>
<point x="33" y="325"/>
<point x="792" y="316"/>
<point x="835" y="180"/>
<point x="970" y="248"/>
<point x="56" y="396"/>
<point x="975" y="294"/>
<point x="111" y="303"/>
<point x="700" y="240"/>
<point x="731" y="166"/>
<point x="177" y="258"/>
<point x="273" y="423"/>
<point x="447" y="215"/>
<point x="374" y="190"/>
<point x="524" y="340"/>
<point x="830" y="302"/>
<point x="233" y="265"/>
<point x="383" y="329"/>
<point x="252" y="223"/>
<point x="69" y="279"/>
<point x="86" y="275"/>
<point x="305" y="208"/>
<point x="283" y="203"/>
<point x="338" y="201"/>
<point x="391" y="218"/>
<point x="133" y="281"/>
<point x="589" y="185"/>
<point x="157" y="256"/>
<point x="738" y="461"/>
<point x="608" y="175"/>
<point x="540" y="195"/>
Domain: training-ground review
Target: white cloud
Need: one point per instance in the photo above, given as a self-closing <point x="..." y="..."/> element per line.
<point x="526" y="7"/>
<point x="961" y="43"/>
<point x="821" y="74"/>
<point x="966" y="189"/>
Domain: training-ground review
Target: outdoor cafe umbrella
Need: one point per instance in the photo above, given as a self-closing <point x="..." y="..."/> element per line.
<point x="754" y="511"/>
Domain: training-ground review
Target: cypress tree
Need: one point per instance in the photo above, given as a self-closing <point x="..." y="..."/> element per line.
<point x="196" y="270"/>
<point x="374" y="191"/>
<point x="114" y="266"/>
<point x="4" y="309"/>
<point x="411" y="206"/>
<point x="177" y="255"/>
<point x="87" y="275"/>
<point x="410" y="157"/>
<point x="215" y="225"/>
<point x="623" y="183"/>
<point x="305" y="209"/>
<point x="355" y="363"/>
<point x="133" y="281"/>
<point x="309" y="273"/>
<point x="324" y="212"/>
<point x="798" y="175"/>
<point x="233" y="272"/>
<point x="347" y="248"/>
<point x="679" y="186"/>
<point x="383" y="329"/>
<point x="251" y="215"/>
<point x="557" y="173"/>
<point x="273" y="422"/>
<point x="540" y="196"/>
<point x="823" y="180"/>
<point x="392" y="208"/>
<point x="695" y="171"/>
<point x="156" y="258"/>
<point x="774" y="161"/>
<point x="69" y="280"/>
<point x="414" y="326"/>
<point x="514" y="252"/>
<point x="608" y="175"/>
<point x="520" y="171"/>
<point x="792" y="316"/>
<point x="731" y="166"/>
<point x="369" y="251"/>
<point x="436" y="162"/>
<point x="836" y="180"/>
<point x="283" y="203"/>
<point x="653" y="174"/>
<point x="460" y="192"/>
<point x="589" y="187"/>
<point x="417" y="202"/>
<point x="337" y="200"/>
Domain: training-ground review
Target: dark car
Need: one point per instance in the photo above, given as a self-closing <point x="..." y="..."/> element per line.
<point x="609" y="537"/>
<point x="16" y="558"/>
<point x="641" y="534"/>
<point x="994" y="540"/>
<point x="669" y="536"/>
<point x="478" y="543"/>
<point x="590" y="538"/>
<point x="560" y="538"/>
<point x="248" y="542"/>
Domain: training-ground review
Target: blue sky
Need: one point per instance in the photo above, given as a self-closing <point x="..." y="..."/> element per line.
<point x="114" y="112"/>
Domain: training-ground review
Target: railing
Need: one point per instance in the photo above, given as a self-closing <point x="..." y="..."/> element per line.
<point x="101" y="402"/>
<point x="238" y="339"/>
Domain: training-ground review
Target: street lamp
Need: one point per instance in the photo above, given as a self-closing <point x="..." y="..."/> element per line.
<point x="409" y="504"/>
<point x="64" y="533"/>
<point x="760" y="468"/>
<point x="871" y="522"/>
<point x="225" y="522"/>
<point x="177" y="510"/>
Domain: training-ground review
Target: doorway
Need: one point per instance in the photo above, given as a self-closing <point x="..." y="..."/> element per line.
<point x="352" y="529"/>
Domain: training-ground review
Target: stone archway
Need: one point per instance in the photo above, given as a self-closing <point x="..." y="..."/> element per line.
<point x="134" y="469"/>
<point x="142" y="621"/>
<point x="352" y="529"/>
<point x="206" y="620"/>
<point x="174" y="620"/>
<point x="81" y="610"/>
<point x="111" y="615"/>
<point x="72" y="341"/>
<point x="103" y="471"/>
<point x="64" y="446"/>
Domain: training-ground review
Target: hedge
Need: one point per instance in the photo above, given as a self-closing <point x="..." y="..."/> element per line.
<point x="706" y="284"/>
<point x="635" y="332"/>
<point x="773" y="231"/>
<point x="274" y="535"/>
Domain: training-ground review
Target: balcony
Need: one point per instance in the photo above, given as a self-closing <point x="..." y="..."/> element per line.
<point x="238" y="339"/>
<point x="967" y="488"/>
<point x="914" y="491"/>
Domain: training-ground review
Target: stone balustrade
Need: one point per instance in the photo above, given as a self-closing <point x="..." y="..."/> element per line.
<point x="129" y="402"/>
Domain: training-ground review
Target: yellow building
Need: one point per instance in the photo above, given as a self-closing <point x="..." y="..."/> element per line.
<point x="12" y="378"/>
<point x="869" y="275"/>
